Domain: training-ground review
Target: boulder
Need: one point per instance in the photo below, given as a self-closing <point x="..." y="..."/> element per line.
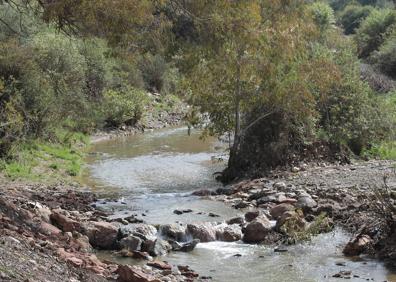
<point x="250" y="215"/>
<point x="141" y="230"/>
<point x="358" y="245"/>
<point x="277" y="211"/>
<point x="131" y="243"/>
<point x="291" y="222"/>
<point x="101" y="234"/>
<point x="228" y="233"/>
<point x="236" y="220"/>
<point x="184" y="247"/>
<point x="189" y="246"/>
<point x="83" y="243"/>
<point x="175" y="232"/>
<point x="205" y="232"/>
<point x="156" y="247"/>
<point x="160" y="265"/>
<point x="306" y="203"/>
<point x="257" y="230"/>
<point x="127" y="273"/>
<point x="65" y="223"/>
<point x="48" y="229"/>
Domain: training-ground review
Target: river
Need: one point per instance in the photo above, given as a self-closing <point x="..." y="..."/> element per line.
<point x="151" y="175"/>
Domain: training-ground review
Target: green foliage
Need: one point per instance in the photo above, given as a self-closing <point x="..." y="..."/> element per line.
<point x="384" y="151"/>
<point x="352" y="16"/>
<point x="158" y="75"/>
<point x="323" y="15"/>
<point x="339" y="5"/>
<point x="124" y="106"/>
<point x="373" y="30"/>
<point x="385" y="58"/>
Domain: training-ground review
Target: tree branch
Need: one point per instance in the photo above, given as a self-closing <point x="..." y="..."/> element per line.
<point x="243" y="132"/>
<point x="9" y="27"/>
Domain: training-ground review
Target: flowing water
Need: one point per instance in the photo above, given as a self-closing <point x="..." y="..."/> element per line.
<point x="153" y="174"/>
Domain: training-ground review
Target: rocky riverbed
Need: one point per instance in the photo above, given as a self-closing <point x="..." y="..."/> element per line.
<point x="61" y="233"/>
<point x="311" y="199"/>
<point x="52" y="234"/>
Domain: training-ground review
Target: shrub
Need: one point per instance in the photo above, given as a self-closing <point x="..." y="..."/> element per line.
<point x="385" y="58"/>
<point x="153" y="69"/>
<point x="123" y="106"/>
<point x="373" y="30"/>
<point x="158" y="75"/>
<point x="98" y="66"/>
<point x="323" y="15"/>
<point x="352" y="16"/>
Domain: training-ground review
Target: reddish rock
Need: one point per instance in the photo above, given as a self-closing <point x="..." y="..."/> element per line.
<point x="257" y="230"/>
<point x="187" y="272"/>
<point x="358" y="245"/>
<point x="159" y="265"/>
<point x="277" y="211"/>
<point x="49" y="229"/>
<point x="128" y="273"/>
<point x="102" y="234"/>
<point x="75" y="261"/>
<point x="205" y="232"/>
<point x="63" y="222"/>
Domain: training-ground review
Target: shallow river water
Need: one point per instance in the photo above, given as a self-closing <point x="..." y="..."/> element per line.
<point x="153" y="174"/>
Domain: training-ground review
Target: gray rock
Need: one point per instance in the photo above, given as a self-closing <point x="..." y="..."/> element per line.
<point x="236" y="220"/>
<point x="131" y="243"/>
<point x="306" y="203"/>
<point x="189" y="246"/>
<point x="156" y="247"/>
<point x="144" y="231"/>
<point x="175" y="232"/>
<point x="266" y="199"/>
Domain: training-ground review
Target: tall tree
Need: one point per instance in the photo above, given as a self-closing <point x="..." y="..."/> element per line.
<point x="245" y="50"/>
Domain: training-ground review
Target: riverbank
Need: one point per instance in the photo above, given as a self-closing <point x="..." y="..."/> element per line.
<point x="360" y="197"/>
<point x="57" y="226"/>
<point x="161" y="112"/>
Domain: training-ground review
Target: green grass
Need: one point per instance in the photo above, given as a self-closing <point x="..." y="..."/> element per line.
<point x="46" y="161"/>
<point x="385" y="151"/>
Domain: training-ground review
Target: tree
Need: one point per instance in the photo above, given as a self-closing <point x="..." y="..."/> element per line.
<point x="245" y="49"/>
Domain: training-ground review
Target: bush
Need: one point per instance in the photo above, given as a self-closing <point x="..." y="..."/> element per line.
<point x="123" y="106"/>
<point x="373" y="30"/>
<point x="98" y="66"/>
<point x="385" y="58"/>
<point x="323" y="15"/>
<point x="158" y="75"/>
<point x="352" y="16"/>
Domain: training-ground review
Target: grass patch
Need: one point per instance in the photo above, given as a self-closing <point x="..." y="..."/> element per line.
<point x="385" y="151"/>
<point x="46" y="161"/>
